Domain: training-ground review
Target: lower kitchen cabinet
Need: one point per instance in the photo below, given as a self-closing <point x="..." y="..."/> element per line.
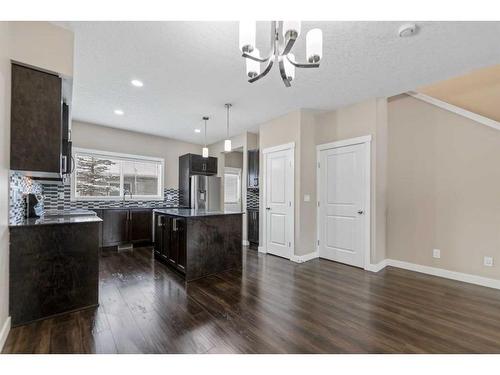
<point x="141" y="221"/>
<point x="115" y="227"/>
<point x="253" y="227"/>
<point x="124" y="225"/>
<point x="170" y="241"/>
<point x="54" y="269"/>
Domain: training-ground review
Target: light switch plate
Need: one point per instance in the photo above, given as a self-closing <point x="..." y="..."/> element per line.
<point x="488" y="261"/>
<point x="436" y="253"/>
<point x="307" y="198"/>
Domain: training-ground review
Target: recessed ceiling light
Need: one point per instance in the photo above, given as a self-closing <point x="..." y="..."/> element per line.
<point x="197" y="130"/>
<point x="137" y="83"/>
<point x="119" y="112"/>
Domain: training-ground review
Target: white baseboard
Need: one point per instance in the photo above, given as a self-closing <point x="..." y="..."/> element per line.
<point x="375" y="267"/>
<point x="245" y="243"/>
<point x="440" y="272"/>
<point x="4" y="333"/>
<point x="262" y="250"/>
<point x="305" y="257"/>
<point x="447" y="274"/>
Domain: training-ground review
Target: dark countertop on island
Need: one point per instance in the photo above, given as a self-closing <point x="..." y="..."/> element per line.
<point x="188" y="212"/>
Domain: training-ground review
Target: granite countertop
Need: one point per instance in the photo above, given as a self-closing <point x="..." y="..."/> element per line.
<point x="59" y="217"/>
<point x="131" y="208"/>
<point x="188" y="212"/>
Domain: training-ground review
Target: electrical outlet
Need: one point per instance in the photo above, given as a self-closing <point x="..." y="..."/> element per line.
<point x="488" y="261"/>
<point x="436" y="253"/>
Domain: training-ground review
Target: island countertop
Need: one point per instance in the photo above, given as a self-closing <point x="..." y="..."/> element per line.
<point x="188" y="212"/>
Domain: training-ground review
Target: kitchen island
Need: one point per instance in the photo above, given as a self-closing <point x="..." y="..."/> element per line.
<point x="198" y="243"/>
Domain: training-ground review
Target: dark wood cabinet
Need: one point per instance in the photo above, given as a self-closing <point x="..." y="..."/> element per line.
<point x="201" y="165"/>
<point x="253" y="169"/>
<point x="170" y="241"/>
<point x="124" y="225"/>
<point x="36" y="122"/>
<point x="67" y="158"/>
<point x="115" y="227"/>
<point x="140" y="222"/>
<point x="54" y="269"/>
<point x="192" y="164"/>
<point x="253" y="226"/>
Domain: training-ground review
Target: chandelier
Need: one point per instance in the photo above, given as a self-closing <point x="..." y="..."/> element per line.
<point x="283" y="37"/>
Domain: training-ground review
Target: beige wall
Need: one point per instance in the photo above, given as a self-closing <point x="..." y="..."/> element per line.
<point x="234" y="159"/>
<point x="242" y="142"/>
<point x="477" y="91"/>
<point x="110" y="139"/>
<point x="43" y="45"/>
<point x="308" y="128"/>
<point x="4" y="172"/>
<point x="444" y="184"/>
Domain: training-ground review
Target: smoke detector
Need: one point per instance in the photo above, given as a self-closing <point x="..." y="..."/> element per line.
<point x="406" y="30"/>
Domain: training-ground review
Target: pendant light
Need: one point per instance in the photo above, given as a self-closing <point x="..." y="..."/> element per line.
<point x="227" y="142"/>
<point x="204" y="151"/>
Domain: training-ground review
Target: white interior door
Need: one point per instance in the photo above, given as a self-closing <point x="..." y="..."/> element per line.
<point x="279" y="210"/>
<point x="342" y="206"/>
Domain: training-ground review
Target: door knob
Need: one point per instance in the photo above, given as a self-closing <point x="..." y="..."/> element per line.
<point x="361" y="212"/>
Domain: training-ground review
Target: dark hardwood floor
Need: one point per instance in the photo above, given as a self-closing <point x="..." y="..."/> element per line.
<point x="271" y="306"/>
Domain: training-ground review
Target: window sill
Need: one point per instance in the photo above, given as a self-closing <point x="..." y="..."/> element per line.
<point x="118" y="199"/>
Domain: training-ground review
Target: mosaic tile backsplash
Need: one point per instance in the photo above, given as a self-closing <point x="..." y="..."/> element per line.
<point x="58" y="197"/>
<point x="253" y="199"/>
<point x="19" y="186"/>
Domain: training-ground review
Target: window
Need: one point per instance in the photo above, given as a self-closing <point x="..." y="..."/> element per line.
<point x="232" y="185"/>
<point x="103" y="175"/>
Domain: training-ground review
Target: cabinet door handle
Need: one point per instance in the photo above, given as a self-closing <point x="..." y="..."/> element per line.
<point x="174" y="225"/>
<point x="64" y="162"/>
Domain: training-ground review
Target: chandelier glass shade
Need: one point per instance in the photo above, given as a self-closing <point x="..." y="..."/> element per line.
<point x="283" y="37"/>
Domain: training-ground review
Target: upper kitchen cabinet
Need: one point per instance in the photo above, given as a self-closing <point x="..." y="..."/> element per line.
<point x="253" y="169"/>
<point x="200" y="165"/>
<point x="192" y="164"/>
<point x="36" y="123"/>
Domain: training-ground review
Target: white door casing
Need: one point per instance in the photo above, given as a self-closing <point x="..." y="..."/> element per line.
<point x="278" y="200"/>
<point x="344" y="201"/>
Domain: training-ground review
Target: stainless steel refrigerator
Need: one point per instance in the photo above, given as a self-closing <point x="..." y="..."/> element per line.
<point x="206" y="193"/>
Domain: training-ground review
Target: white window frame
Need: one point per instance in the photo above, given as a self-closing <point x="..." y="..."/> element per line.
<point x="122" y="156"/>
<point x="233" y="171"/>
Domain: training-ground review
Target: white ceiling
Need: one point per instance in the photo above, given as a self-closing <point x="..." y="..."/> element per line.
<point x="191" y="69"/>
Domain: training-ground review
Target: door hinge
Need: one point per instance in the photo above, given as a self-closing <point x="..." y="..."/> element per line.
<point x="289" y="244"/>
<point x="289" y="204"/>
<point x="318" y="203"/>
<point x="319" y="165"/>
<point x="318" y="242"/>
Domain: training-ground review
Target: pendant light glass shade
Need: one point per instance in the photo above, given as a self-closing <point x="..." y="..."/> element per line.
<point x="314" y="45"/>
<point x="204" y="150"/>
<point x="291" y="27"/>
<point x="227" y="142"/>
<point x="289" y="68"/>
<point x="247" y="36"/>
<point x="253" y="67"/>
